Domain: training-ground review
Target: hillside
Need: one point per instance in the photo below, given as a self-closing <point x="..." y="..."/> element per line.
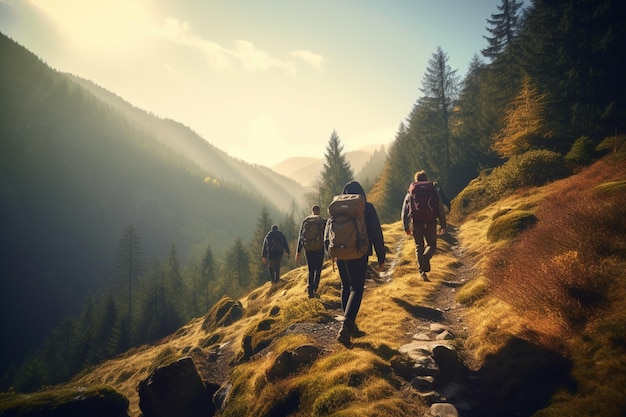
<point x="78" y="167"/>
<point x="273" y="352"/>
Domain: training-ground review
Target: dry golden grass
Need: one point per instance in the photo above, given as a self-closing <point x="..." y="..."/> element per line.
<point x="385" y="321"/>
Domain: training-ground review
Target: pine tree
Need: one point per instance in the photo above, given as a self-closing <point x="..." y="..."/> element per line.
<point x="263" y="225"/>
<point x="431" y="122"/>
<point x="128" y="267"/>
<point x="524" y="123"/>
<point x="503" y="30"/>
<point x="336" y="172"/>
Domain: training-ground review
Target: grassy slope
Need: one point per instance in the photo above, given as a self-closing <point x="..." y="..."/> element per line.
<point x="358" y="381"/>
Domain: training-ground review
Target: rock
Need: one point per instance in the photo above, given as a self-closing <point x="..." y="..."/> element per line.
<point x="437" y="327"/>
<point x="423" y="383"/>
<point x="290" y="361"/>
<point x="221" y="396"/>
<point x="421" y="336"/>
<point x="175" y="390"/>
<point x="443" y="410"/>
<point x="445" y="335"/>
<point x="448" y="362"/>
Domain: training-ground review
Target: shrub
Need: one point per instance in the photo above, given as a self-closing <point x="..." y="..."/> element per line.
<point x="534" y="168"/>
<point x="582" y="152"/>
<point x="510" y="224"/>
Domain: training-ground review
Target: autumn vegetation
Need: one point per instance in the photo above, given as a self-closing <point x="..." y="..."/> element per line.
<point x="531" y="145"/>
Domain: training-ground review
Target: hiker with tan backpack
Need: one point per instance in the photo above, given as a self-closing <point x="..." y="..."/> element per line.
<point x="311" y="239"/>
<point x="351" y="230"/>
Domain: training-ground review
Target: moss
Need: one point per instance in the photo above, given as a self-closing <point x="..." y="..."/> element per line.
<point x="332" y="400"/>
<point x="509" y="225"/>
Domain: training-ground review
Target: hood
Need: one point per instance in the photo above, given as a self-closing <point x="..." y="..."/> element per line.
<point x="353" y="187"/>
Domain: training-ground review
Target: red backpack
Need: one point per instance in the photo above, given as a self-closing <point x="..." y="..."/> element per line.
<point x="424" y="205"/>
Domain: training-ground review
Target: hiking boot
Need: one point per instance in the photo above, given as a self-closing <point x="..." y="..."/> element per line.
<point x="343" y="336"/>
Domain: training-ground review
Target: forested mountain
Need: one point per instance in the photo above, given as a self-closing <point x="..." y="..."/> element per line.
<point x="78" y="166"/>
<point x="551" y="78"/>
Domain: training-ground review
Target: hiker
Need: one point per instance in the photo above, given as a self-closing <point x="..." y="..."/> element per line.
<point x="420" y="219"/>
<point x="274" y="244"/>
<point x="352" y="271"/>
<point x="311" y="239"/>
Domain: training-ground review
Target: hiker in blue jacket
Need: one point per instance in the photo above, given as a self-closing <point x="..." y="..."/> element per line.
<point x="352" y="272"/>
<point x="274" y="244"/>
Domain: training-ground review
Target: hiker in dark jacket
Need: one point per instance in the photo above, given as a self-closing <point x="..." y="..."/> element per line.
<point x="274" y="244"/>
<point x="352" y="272"/>
<point x="313" y="247"/>
<point x="424" y="232"/>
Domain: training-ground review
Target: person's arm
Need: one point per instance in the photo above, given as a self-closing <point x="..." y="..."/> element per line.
<point x="286" y="245"/>
<point x="406" y="221"/>
<point x="375" y="234"/>
<point x="441" y="215"/>
<point x="264" y="250"/>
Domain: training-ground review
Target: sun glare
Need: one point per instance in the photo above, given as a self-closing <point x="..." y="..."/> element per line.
<point x="98" y="24"/>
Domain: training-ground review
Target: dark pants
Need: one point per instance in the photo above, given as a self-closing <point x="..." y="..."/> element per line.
<point x="425" y="235"/>
<point x="352" y="274"/>
<point x="273" y="267"/>
<point x="314" y="260"/>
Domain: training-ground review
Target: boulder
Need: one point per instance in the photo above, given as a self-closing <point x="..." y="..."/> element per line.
<point x="175" y="390"/>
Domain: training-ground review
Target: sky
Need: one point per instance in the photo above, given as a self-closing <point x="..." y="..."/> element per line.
<point x="263" y="80"/>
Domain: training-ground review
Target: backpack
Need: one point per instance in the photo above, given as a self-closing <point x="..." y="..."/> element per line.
<point x="424" y="201"/>
<point x="346" y="230"/>
<point x="274" y="243"/>
<point x="312" y="235"/>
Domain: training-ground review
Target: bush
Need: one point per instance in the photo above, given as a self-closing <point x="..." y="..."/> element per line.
<point x="531" y="169"/>
<point x="534" y="168"/>
<point x="582" y="152"/>
<point x="510" y="224"/>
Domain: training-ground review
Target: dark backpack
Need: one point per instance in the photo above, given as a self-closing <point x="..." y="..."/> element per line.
<point x="347" y="230"/>
<point x="313" y="232"/>
<point x="424" y="205"/>
<point x="274" y="244"/>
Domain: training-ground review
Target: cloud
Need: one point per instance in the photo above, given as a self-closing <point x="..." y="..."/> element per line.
<point x="309" y="57"/>
<point x="245" y="53"/>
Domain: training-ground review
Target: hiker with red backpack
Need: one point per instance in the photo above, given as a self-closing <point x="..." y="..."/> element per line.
<point x="421" y="209"/>
<point x="348" y="238"/>
<point x="274" y="244"/>
<point x="311" y="239"/>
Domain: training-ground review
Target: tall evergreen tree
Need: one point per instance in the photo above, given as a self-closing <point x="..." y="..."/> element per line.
<point x="336" y="171"/>
<point x="440" y="89"/>
<point x="128" y="267"/>
<point x="258" y="272"/>
<point x="503" y="29"/>
<point x="236" y="268"/>
<point x="474" y="121"/>
<point x="207" y="273"/>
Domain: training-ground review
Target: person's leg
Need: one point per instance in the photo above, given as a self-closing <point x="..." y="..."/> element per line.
<point x="418" y="236"/>
<point x="357" y="269"/>
<point x="352" y="275"/>
<point x="277" y="268"/>
<point x="430" y="235"/>
<point x="311" y="278"/>
<point x="273" y="265"/>
<point x="316" y="266"/>
<point x="344" y="275"/>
